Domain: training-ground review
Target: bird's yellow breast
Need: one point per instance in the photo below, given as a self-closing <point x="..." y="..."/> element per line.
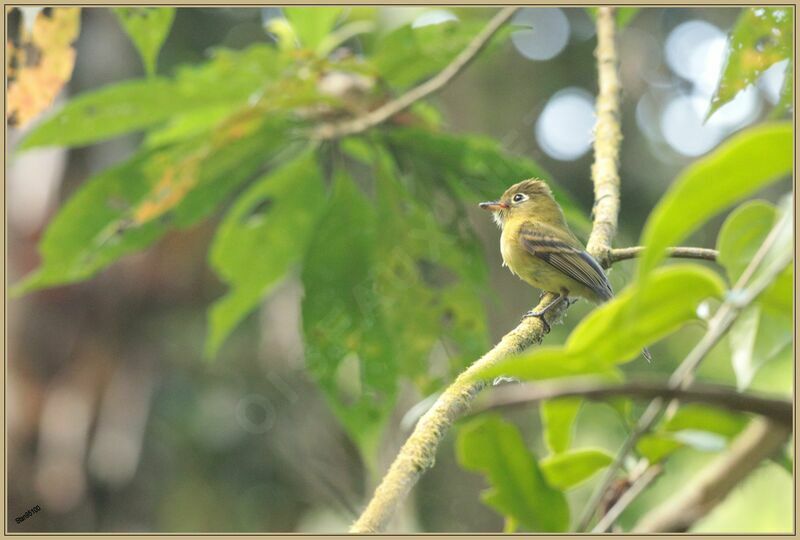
<point x="534" y="270"/>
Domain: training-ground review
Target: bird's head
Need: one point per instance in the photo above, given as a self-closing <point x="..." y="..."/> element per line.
<point x="527" y="199"/>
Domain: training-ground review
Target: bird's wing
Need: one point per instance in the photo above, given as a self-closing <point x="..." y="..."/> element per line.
<point x="566" y="255"/>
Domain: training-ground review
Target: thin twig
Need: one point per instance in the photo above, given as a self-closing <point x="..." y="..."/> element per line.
<point x="418" y="452"/>
<point x="760" y="440"/>
<point x="718" y="326"/>
<point x="705" y="254"/>
<point x="778" y="410"/>
<point x="641" y="482"/>
<point x="388" y="110"/>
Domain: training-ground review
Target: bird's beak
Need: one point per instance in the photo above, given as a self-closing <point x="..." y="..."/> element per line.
<point x="493" y="206"/>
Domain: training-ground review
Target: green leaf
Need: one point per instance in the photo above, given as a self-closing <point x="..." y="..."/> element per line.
<point x="757" y="337"/>
<point x="518" y="489"/>
<point x="475" y="167"/>
<point x="407" y="55"/>
<point x="262" y="236"/>
<point x="761" y="37"/>
<point x="312" y="24"/>
<point x="558" y="420"/>
<point x="147" y="28"/>
<point x="749" y="161"/>
<point x="189" y="124"/>
<point x="430" y="284"/>
<point x="623" y="16"/>
<point x="127" y="207"/>
<point x="230" y="78"/>
<point x="701" y="427"/>
<point x="648" y="311"/>
<point x="568" y="469"/>
<point x="656" y="447"/>
<point x="763" y="330"/>
<point x="349" y="351"/>
<point x="742" y="234"/>
<point x="696" y="417"/>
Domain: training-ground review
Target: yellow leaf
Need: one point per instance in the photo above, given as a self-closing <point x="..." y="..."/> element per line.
<point x="41" y="63"/>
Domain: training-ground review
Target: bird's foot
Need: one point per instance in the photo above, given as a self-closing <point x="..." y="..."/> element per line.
<point x="540" y="316"/>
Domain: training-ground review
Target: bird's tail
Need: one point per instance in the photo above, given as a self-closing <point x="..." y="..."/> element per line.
<point x="647" y="355"/>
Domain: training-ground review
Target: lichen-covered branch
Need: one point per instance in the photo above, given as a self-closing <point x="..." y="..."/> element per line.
<point x="607" y="138"/>
<point x="418" y="452"/>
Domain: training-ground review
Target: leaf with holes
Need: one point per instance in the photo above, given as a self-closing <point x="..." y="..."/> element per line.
<point x="261" y="237"/>
<point x="761" y="37"/>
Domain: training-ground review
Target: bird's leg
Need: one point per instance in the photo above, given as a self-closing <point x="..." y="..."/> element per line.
<point x="541" y="313"/>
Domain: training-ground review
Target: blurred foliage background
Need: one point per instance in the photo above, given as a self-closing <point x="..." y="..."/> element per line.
<point x="226" y="329"/>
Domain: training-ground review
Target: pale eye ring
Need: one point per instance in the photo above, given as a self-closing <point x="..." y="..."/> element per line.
<point x="519" y="197"/>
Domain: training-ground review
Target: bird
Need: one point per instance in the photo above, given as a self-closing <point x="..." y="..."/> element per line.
<point x="538" y="246"/>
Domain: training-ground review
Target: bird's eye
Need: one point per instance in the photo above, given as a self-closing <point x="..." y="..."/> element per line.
<point x="519" y="197"/>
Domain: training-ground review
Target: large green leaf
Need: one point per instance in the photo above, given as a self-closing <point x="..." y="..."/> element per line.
<point x="558" y="420"/>
<point x="231" y="77"/>
<point x="699" y="426"/>
<point x="147" y="28"/>
<point x="430" y="285"/>
<point x="647" y="311"/>
<point x="348" y="347"/>
<point x="763" y="330"/>
<point x="742" y="234"/>
<point x="749" y="161"/>
<point x="262" y="236"/>
<point x="312" y="24"/>
<point x="476" y="167"/>
<point x="406" y="55"/>
<point x="761" y="37"/>
<point x="518" y="488"/>
<point x="568" y="469"/>
<point x="127" y="207"/>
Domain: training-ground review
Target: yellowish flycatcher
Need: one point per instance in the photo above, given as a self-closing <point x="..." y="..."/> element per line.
<point x="538" y="246"/>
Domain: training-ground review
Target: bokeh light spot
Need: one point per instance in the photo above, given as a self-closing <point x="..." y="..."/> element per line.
<point x="564" y="129"/>
<point x="546" y="34"/>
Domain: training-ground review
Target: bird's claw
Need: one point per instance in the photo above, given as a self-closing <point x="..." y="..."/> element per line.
<point x="539" y="316"/>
